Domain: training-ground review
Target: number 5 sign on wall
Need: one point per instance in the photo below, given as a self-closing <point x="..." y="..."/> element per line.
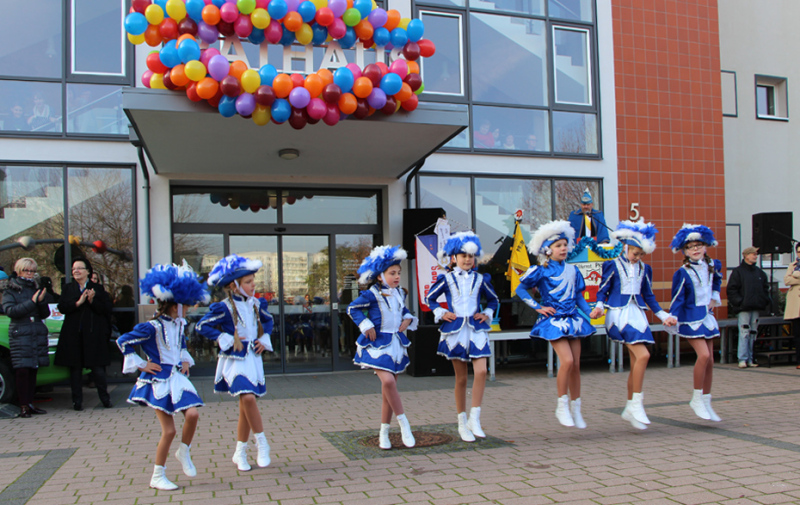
<point x="635" y="215"/>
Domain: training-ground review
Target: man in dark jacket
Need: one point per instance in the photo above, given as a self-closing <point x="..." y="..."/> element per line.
<point x="748" y="294"/>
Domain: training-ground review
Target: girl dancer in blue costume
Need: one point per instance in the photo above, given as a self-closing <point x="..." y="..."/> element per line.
<point x="695" y="291"/>
<point x="382" y="343"/>
<point x="464" y="336"/>
<point x="561" y="286"/>
<point x="626" y="291"/>
<point x="163" y="383"/>
<point x="241" y="324"/>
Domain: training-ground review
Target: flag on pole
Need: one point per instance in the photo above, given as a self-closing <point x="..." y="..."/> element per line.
<point x="518" y="262"/>
<point x="428" y="268"/>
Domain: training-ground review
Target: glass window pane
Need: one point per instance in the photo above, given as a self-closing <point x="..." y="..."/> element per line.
<point x="451" y="194"/>
<point x="446" y="3"/>
<point x="223" y="206"/>
<point x="510" y="129"/>
<point x="535" y="7"/>
<point x="32" y="205"/>
<point x="443" y="74"/>
<point x="574" y="133"/>
<point x="101" y="208"/>
<point x="315" y="208"/>
<point x="573" y="83"/>
<point x="579" y="10"/>
<point x="350" y="252"/>
<point x="509" y="60"/>
<point x="27" y="51"/>
<point x="568" y="195"/>
<point x="460" y="141"/>
<point x="98" y="37"/>
<point x="200" y="251"/>
<point x="40" y="104"/>
<point x="95" y="109"/>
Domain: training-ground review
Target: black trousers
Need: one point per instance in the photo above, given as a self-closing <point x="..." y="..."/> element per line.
<point x="796" y="333"/>
<point x="76" y="383"/>
<point x="26" y="384"/>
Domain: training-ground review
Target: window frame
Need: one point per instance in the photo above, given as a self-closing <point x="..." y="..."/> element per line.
<point x="465" y="91"/>
<point x="589" y="67"/>
<point x="735" y="94"/>
<point x="780" y="96"/>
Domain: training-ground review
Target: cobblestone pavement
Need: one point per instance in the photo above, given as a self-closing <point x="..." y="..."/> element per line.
<point x="752" y="456"/>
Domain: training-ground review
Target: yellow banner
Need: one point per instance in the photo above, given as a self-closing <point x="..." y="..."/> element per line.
<point x="518" y="263"/>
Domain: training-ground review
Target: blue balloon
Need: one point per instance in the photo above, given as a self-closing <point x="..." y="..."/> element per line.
<point x="364" y="7"/>
<point x="381" y="36"/>
<point x="320" y="34"/>
<point x="349" y="38"/>
<point x="287" y="38"/>
<point x="162" y="4"/>
<point x="244" y="207"/>
<point x="194" y="9"/>
<point x="415" y="30"/>
<point x="189" y="50"/>
<point x="343" y="78"/>
<point x="218" y="3"/>
<point x="227" y="106"/>
<point x="307" y="11"/>
<point x="169" y="54"/>
<point x="136" y="23"/>
<point x="277" y="9"/>
<point x="391" y="83"/>
<point x="257" y="36"/>
<point x="267" y="73"/>
<point x="281" y="110"/>
<point x="399" y="37"/>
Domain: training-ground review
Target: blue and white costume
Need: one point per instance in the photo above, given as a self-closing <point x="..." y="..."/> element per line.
<point x="627" y="288"/>
<point x="385" y="311"/>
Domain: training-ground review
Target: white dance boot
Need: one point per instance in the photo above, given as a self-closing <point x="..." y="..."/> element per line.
<point x="463" y="431"/>
<point x="240" y="457"/>
<point x="637" y="408"/>
<point x="263" y="458"/>
<point x="712" y="415"/>
<point x="562" y="412"/>
<point x="699" y="405"/>
<point x="182" y="455"/>
<point x="383" y="437"/>
<point x="474" y="422"/>
<point x="575" y="410"/>
<point x="628" y="416"/>
<point x="405" y="431"/>
<point x="160" y="480"/>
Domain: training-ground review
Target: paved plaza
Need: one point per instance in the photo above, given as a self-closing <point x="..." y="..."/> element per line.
<point x="316" y="425"/>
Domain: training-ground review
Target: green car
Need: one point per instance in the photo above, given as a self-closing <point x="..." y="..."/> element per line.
<point x="46" y="375"/>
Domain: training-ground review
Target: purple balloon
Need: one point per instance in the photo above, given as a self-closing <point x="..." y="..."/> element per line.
<point x="218" y="67"/>
<point x="299" y="97"/>
<point x="377" y="17"/>
<point x="245" y="104"/>
<point x="377" y="99"/>
<point x="207" y="54"/>
<point x="338" y="7"/>
<point x="207" y="33"/>
<point x="317" y="108"/>
<point x="292" y="5"/>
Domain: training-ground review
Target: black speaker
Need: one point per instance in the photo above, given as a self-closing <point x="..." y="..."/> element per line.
<point x="422" y="354"/>
<point x="414" y="222"/>
<point x="772" y="232"/>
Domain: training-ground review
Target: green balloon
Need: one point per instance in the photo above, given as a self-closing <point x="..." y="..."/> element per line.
<point x="351" y="16"/>
<point x="420" y="89"/>
<point x="246" y="6"/>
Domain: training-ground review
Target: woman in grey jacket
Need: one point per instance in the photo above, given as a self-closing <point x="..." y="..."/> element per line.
<point x="26" y="305"/>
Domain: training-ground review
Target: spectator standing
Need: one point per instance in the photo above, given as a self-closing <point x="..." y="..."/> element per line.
<point x="792" y="311"/>
<point x="748" y="294"/>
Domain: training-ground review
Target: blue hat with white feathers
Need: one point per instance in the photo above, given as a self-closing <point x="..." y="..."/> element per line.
<point x="173" y="283"/>
<point x="379" y="260"/>
<point x="551" y="232"/>
<point x="230" y="268"/>
<point x="692" y="233"/>
<point x="638" y="234"/>
<point x="463" y="242"/>
<point x="586" y="197"/>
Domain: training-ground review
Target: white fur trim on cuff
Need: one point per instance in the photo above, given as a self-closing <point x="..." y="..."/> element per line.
<point x="133" y="363"/>
<point x="663" y="315"/>
<point x="225" y="341"/>
<point x="266" y="341"/>
<point x="489" y="313"/>
<point x="601" y="306"/>
<point x="365" y="325"/>
<point x="414" y="322"/>
<point x="438" y="312"/>
<point x="186" y="357"/>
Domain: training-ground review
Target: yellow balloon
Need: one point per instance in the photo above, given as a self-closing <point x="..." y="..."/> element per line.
<point x="260" y="18"/>
<point x="154" y="14"/>
<point x="304" y="34"/>
<point x="157" y="81"/>
<point x="194" y="70"/>
<point x="320" y="3"/>
<point x="251" y="80"/>
<point x="261" y="115"/>
<point x="374" y="5"/>
<point x="404" y="23"/>
<point x="136" y="39"/>
<point x="176" y="9"/>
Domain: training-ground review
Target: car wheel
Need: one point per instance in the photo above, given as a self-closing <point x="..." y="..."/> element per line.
<point x="6" y="383"/>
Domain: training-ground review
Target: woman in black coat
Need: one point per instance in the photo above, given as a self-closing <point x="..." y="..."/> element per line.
<point x="84" y="335"/>
<point x="26" y="305"/>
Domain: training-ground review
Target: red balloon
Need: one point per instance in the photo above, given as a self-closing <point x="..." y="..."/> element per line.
<point x="168" y="82"/>
<point x="413" y="80"/>
<point x="331" y="93"/>
<point x="214" y="100"/>
<point x="426" y="47"/>
<point x="373" y="73"/>
<point x="243" y="26"/>
<point x="191" y="92"/>
<point x="362" y="108"/>
<point x="324" y="16"/>
<point x="225" y="28"/>
<point x="297" y="119"/>
<point x="230" y="86"/>
<point x="187" y="25"/>
<point x="411" y="103"/>
<point x="154" y="64"/>
<point x="384" y="68"/>
<point x="140" y="5"/>
<point x="390" y="107"/>
<point x="99" y="247"/>
<point x="297" y="80"/>
<point x="411" y="51"/>
<point x="168" y="29"/>
<point x="265" y="95"/>
<point x="332" y="115"/>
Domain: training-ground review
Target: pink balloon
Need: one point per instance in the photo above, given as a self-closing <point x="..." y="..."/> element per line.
<point x="207" y="54"/>
<point x="292" y="5"/>
<point x="332" y="115"/>
<point x="229" y="12"/>
<point x="146" y="77"/>
<point x="355" y="69"/>
<point x="274" y="32"/>
<point x="399" y="67"/>
<point x="262" y="4"/>
<point x="337" y="29"/>
<point x="243" y="26"/>
<point x="317" y="108"/>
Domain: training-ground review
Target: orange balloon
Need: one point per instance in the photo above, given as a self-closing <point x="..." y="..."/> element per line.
<point x="207" y="87"/>
<point x="298" y="81"/>
<point x="326" y="76"/>
<point x="392" y="19"/>
<point x="211" y="14"/>
<point x="413" y="67"/>
<point x="293" y="21"/>
<point x="237" y="69"/>
<point x="363" y="87"/>
<point x="186" y="36"/>
<point x="349" y="4"/>
<point x="314" y="85"/>
<point x="178" y="75"/>
<point x="404" y="93"/>
<point x="152" y="36"/>
<point x="364" y="29"/>
<point x="348" y="103"/>
<point x="282" y="85"/>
